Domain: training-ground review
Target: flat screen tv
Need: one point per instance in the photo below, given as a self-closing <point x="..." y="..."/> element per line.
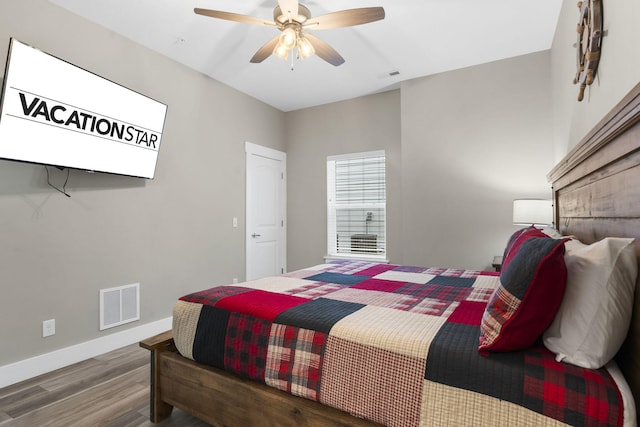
<point x="55" y="113"/>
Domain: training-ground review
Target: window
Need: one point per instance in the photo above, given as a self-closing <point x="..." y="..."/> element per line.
<point x="356" y="208"/>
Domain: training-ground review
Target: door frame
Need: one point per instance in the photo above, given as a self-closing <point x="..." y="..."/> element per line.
<point x="252" y="149"/>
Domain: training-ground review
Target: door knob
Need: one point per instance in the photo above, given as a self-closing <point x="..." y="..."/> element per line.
<point x="255" y="235"/>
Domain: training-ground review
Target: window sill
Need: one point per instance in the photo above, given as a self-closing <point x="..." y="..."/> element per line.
<point x="355" y="257"/>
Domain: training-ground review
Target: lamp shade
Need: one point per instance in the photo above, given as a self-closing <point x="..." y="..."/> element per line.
<point x="532" y="212"/>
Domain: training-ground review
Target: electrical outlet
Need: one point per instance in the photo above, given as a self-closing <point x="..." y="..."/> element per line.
<point x="235" y="280"/>
<point x="234" y="222"/>
<point x="48" y="328"/>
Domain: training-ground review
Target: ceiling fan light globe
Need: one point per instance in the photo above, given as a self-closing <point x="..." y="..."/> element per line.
<point x="305" y="48"/>
<point x="288" y="38"/>
<point x="281" y="51"/>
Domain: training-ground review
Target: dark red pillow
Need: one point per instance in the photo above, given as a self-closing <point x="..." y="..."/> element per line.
<point x="532" y="284"/>
<point x="513" y="238"/>
<point x="517" y="239"/>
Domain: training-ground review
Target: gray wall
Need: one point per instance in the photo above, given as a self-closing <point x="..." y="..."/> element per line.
<point x="618" y="71"/>
<point x="363" y="124"/>
<point x="472" y="141"/>
<point x="172" y="234"/>
<point x="460" y="146"/>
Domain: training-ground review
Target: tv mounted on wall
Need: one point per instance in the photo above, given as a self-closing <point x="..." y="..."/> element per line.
<point x="55" y="113"/>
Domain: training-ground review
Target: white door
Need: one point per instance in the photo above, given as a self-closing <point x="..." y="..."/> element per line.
<point x="266" y="212"/>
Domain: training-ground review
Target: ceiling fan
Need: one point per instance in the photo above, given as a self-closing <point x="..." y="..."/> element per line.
<point x="293" y="19"/>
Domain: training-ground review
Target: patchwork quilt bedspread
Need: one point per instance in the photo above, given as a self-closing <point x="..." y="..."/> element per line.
<point x="394" y="344"/>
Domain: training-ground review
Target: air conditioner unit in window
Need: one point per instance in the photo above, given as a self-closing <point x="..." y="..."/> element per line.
<point x="364" y="243"/>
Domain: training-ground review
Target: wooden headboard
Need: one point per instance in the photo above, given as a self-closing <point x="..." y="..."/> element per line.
<point x="596" y="189"/>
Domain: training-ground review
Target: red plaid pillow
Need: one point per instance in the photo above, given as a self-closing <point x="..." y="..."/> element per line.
<point x="531" y="289"/>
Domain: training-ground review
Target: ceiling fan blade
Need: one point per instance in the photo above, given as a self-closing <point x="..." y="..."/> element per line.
<point x="265" y="51"/>
<point x="232" y="17"/>
<point x="324" y="51"/>
<point x="345" y="18"/>
<point x="289" y="8"/>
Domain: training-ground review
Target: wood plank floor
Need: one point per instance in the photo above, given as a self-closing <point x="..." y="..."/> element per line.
<point x="109" y="390"/>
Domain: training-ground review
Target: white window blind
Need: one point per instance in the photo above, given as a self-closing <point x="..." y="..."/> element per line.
<point x="356" y="208"/>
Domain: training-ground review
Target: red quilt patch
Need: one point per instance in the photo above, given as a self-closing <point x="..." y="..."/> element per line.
<point x="376" y="269"/>
<point x="379" y="285"/>
<point x="261" y="304"/>
<point x="468" y="313"/>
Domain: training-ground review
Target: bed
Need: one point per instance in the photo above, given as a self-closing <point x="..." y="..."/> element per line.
<point x="468" y="379"/>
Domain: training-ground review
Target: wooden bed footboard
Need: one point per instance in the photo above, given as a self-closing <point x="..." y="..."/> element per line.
<point x="157" y="345"/>
<point x="223" y="399"/>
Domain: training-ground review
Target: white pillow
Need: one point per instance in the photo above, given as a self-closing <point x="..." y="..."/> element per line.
<point x="552" y="232"/>
<point x="571" y="246"/>
<point x="595" y="313"/>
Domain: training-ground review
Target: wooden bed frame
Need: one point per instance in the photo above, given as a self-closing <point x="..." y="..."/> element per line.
<point x="597" y="194"/>
<point x="596" y="189"/>
<point x="222" y="399"/>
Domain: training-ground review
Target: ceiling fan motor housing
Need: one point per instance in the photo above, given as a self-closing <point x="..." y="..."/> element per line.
<point x="281" y="18"/>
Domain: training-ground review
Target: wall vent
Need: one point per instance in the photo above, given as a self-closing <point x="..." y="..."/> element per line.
<point x="119" y="305"/>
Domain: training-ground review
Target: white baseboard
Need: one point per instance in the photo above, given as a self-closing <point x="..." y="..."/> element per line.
<point x="38" y="365"/>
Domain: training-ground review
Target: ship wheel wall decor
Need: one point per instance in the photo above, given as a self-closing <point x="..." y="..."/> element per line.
<point x="589" y="43"/>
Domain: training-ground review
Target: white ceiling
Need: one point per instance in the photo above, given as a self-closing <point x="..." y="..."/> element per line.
<point x="417" y="38"/>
